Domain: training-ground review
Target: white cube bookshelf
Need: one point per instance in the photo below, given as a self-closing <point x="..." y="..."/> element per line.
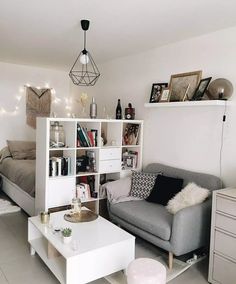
<point x="55" y="191"/>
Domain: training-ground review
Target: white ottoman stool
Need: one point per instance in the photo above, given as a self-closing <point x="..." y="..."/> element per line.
<point x="146" y="271"/>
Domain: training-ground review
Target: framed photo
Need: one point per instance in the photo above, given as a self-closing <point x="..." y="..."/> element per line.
<point x="180" y="83"/>
<point x="129" y="161"/>
<point x="165" y="96"/>
<point x="156" y="92"/>
<point x="201" y="89"/>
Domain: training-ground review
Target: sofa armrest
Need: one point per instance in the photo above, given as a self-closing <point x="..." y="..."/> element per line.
<point x="118" y="188"/>
<point x="191" y="228"/>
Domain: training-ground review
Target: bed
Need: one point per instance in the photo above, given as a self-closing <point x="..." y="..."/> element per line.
<point x="17" y="170"/>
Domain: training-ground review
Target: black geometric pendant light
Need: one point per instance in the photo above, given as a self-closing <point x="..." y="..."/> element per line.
<point x="84" y="71"/>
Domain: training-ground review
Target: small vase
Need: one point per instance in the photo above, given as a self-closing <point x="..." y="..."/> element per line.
<point x="66" y="240"/>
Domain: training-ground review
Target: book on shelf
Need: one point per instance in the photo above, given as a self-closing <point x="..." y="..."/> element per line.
<point x="52" y="168"/>
<point x="59" y="166"/>
<point x="95" y="136"/>
<point x="85" y="137"/>
<point x="131" y="134"/>
<point x="80" y="136"/>
<point x="58" y="163"/>
<point x="91" y="138"/>
<point x="84" y="130"/>
<point x="78" y="142"/>
<point x="66" y="169"/>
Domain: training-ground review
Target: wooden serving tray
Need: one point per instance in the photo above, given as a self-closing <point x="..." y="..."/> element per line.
<point x="83" y="216"/>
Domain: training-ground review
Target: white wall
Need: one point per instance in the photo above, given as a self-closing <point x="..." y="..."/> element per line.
<point x="183" y="137"/>
<point x="12" y="79"/>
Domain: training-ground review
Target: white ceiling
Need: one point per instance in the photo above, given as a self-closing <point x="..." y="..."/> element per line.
<point x="48" y="33"/>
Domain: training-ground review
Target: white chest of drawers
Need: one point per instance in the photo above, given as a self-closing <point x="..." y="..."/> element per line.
<point x="222" y="266"/>
<point x="110" y="160"/>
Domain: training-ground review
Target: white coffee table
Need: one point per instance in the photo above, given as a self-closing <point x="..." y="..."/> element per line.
<point x="103" y="248"/>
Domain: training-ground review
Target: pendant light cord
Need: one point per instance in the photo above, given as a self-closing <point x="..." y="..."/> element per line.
<point x="222" y="140"/>
<point x="84" y="40"/>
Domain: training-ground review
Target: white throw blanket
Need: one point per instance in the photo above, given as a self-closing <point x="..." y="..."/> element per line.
<point x="114" y="195"/>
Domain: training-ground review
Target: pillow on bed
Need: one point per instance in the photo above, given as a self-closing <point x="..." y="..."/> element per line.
<point x="22" y="150"/>
<point x="4" y="153"/>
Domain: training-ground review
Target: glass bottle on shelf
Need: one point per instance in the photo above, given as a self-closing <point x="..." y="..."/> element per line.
<point x="57" y="135"/>
<point x="118" y="110"/>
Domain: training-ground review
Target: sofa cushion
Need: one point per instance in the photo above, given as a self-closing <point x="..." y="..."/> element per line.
<point x="191" y="195"/>
<point x="150" y="217"/>
<point x="142" y="184"/>
<point x="164" y="189"/>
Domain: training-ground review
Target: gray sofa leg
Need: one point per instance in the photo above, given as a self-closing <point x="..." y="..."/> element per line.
<point x="171" y="256"/>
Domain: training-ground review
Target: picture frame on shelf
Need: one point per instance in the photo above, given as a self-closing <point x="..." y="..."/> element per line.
<point x="165" y="96"/>
<point x="129" y="160"/>
<point x="180" y="82"/>
<point x="156" y="92"/>
<point x="201" y="89"/>
<point x="186" y="97"/>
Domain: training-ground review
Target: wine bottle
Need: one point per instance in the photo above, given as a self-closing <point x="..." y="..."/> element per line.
<point x="118" y="110"/>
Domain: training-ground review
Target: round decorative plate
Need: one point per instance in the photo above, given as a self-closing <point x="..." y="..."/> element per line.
<point x="83" y="216"/>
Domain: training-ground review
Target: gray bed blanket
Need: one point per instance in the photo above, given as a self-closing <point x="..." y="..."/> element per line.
<point x="20" y="172"/>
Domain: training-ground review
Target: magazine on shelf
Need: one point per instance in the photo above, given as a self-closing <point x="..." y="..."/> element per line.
<point x="83" y="191"/>
<point x="131" y="134"/>
<point x="90" y="180"/>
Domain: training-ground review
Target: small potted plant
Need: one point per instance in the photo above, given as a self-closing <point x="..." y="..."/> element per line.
<point x="66" y="235"/>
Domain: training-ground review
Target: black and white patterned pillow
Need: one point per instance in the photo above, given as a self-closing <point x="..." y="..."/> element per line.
<point x="142" y="183"/>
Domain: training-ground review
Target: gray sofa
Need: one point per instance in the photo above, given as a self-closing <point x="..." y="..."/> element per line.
<point x="178" y="234"/>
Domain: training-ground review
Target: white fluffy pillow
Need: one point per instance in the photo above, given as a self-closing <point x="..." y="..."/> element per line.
<point x="190" y="195"/>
